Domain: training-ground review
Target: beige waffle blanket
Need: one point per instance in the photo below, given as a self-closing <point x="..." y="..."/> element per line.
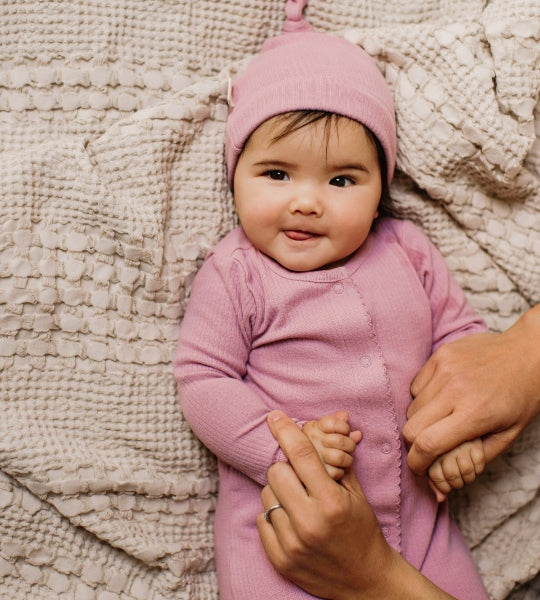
<point x="112" y="187"/>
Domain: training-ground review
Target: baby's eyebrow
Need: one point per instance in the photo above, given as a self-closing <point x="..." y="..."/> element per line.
<point x="275" y="164"/>
<point x="355" y="166"/>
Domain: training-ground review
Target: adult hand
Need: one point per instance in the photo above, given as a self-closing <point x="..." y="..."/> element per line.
<point x="481" y="385"/>
<point x="325" y="536"/>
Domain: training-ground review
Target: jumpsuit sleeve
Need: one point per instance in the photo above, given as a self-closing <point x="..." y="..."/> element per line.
<point x="225" y="413"/>
<point x="452" y="315"/>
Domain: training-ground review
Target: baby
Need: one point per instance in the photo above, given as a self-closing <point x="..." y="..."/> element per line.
<point x="322" y="306"/>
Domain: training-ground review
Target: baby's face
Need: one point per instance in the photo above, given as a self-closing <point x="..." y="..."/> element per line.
<point x="308" y="200"/>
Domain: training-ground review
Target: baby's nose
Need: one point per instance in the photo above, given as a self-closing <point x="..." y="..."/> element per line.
<point x="307" y="201"/>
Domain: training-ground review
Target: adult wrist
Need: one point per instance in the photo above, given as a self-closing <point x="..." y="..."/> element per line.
<point x="398" y="581"/>
<point x="404" y="582"/>
<point x="525" y="334"/>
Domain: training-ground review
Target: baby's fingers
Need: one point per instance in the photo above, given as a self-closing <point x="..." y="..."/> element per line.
<point x="336" y="458"/>
<point x="467" y="470"/>
<point x="335" y="461"/>
<point x="437" y="478"/>
<point x="335" y="423"/>
<point x="470" y="459"/>
<point x="457" y="467"/>
<point x="339" y="442"/>
<point x="440" y="495"/>
<point x="478" y="455"/>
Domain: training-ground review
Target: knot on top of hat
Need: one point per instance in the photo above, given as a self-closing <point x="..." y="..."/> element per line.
<point x="295" y="21"/>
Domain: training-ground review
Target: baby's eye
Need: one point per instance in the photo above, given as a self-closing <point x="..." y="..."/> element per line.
<point x="342" y="181"/>
<point x="277" y="175"/>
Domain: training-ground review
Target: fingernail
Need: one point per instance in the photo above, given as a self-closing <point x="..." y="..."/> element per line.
<point x="274" y="415"/>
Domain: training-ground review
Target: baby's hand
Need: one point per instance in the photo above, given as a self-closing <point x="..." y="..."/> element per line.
<point x="334" y="442"/>
<point x="456" y="468"/>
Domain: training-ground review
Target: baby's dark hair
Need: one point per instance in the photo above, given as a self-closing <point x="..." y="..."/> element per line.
<point x="295" y="120"/>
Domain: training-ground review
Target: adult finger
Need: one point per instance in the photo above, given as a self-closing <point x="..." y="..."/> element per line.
<point x="350" y="482"/>
<point x="268" y="532"/>
<point x="453" y="430"/>
<point x="268" y="497"/>
<point x="423" y="414"/>
<point x="280" y="534"/>
<point x="433" y="441"/>
<point x="432" y="400"/>
<point x="283" y="488"/>
<point x="424" y="376"/>
<point x="497" y="443"/>
<point x="301" y="454"/>
<point x="277" y="518"/>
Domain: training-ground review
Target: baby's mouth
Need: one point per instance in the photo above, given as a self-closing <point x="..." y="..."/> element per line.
<point x="300" y="236"/>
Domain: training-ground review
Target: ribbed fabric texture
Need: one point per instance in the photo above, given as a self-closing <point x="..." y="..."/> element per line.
<point x="309" y="70"/>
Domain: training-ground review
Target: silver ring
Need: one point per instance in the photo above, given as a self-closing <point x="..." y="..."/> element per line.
<point x="268" y="511"/>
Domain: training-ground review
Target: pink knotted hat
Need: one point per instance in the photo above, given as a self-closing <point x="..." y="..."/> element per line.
<point x="303" y="69"/>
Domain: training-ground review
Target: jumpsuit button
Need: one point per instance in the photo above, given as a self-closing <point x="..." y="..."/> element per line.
<point x="338" y="287"/>
<point x="365" y="361"/>
<point x="386" y="448"/>
<point x="386" y="531"/>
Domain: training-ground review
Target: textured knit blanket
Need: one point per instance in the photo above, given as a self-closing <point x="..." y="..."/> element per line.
<point x="112" y="116"/>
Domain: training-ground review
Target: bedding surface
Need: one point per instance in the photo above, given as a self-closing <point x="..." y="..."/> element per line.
<point x="113" y="189"/>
